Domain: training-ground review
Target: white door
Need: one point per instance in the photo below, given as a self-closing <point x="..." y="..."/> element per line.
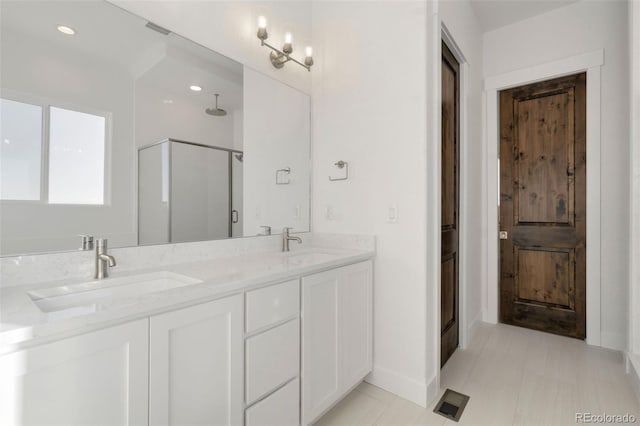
<point x="196" y="364"/>
<point x="98" y="378"/>
<point x="356" y="323"/>
<point x="320" y="344"/>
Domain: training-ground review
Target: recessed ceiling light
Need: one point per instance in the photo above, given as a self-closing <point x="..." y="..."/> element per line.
<point x="195" y="88"/>
<point x="66" y="30"/>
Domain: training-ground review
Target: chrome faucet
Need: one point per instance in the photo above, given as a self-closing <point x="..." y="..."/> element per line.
<point x="103" y="260"/>
<point x="286" y="238"/>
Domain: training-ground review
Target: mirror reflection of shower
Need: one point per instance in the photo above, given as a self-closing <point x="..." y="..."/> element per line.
<point x="188" y="192"/>
<point x="216" y="112"/>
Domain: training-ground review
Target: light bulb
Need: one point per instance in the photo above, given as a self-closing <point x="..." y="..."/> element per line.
<point x="195" y="88"/>
<point x="66" y="30"/>
<point x="308" y="51"/>
<point x="262" y="22"/>
<point x="288" y="38"/>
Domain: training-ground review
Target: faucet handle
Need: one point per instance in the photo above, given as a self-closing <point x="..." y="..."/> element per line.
<point x="86" y="242"/>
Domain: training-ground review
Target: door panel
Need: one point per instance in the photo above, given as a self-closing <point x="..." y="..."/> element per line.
<point x="320" y="343"/>
<point x="544" y="276"/>
<point x="449" y="206"/>
<point x="196" y="365"/>
<point x="356" y="305"/>
<point x="448" y="310"/>
<point x="98" y="378"/>
<point x="543" y="205"/>
<point x="545" y="126"/>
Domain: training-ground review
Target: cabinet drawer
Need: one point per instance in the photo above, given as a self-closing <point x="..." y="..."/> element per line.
<point x="271" y="304"/>
<point x="280" y="409"/>
<point x="273" y="357"/>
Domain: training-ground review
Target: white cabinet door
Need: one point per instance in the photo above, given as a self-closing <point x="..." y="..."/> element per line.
<point x="196" y="363"/>
<point x="273" y="358"/>
<point x="337" y="343"/>
<point x="356" y="323"/>
<point x="281" y="408"/>
<point x="98" y="378"/>
<point x="320" y="343"/>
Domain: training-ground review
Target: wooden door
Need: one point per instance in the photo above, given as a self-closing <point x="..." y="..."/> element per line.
<point x="449" y="207"/>
<point x="196" y="365"/>
<point x="543" y="206"/>
<point x="98" y="378"/>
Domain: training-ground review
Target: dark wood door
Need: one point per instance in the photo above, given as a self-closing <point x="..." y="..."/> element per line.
<point x="543" y="206"/>
<point x="450" y="206"/>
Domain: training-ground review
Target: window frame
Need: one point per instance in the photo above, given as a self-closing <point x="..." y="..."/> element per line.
<point x="46" y="104"/>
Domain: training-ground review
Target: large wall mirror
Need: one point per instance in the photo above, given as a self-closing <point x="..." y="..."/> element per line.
<point x="111" y="127"/>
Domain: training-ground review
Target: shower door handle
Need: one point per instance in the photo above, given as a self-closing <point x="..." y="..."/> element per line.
<point x="234" y="216"/>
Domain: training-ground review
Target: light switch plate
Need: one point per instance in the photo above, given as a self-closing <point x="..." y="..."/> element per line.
<point x="392" y="214"/>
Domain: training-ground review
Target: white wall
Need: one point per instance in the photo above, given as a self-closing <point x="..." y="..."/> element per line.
<point x="38" y="227"/>
<point x="578" y="28"/>
<point x="461" y="24"/>
<point x="276" y="136"/>
<point x="634" y="234"/>
<point x="182" y="119"/>
<point x="229" y="28"/>
<point x="369" y="109"/>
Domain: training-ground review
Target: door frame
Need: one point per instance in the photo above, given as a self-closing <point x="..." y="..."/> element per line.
<point x="463" y="136"/>
<point x="590" y="63"/>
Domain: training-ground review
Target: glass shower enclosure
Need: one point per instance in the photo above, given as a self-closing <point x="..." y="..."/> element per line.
<point x="188" y="192"/>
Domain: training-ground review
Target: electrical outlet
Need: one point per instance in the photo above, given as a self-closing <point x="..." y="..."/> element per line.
<point x="392" y="214"/>
<point x="330" y="213"/>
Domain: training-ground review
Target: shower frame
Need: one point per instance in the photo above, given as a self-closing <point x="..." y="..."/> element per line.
<point x="230" y="152"/>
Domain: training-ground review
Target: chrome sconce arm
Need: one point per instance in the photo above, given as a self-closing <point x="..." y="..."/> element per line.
<point x="279" y="57"/>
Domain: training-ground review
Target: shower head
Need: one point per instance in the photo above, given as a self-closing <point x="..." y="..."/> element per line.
<point x="217" y="112"/>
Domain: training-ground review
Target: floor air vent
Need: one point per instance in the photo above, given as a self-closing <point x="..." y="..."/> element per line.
<point x="451" y="405"/>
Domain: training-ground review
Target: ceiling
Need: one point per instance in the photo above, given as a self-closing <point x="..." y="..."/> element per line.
<point x="109" y="34"/>
<point x="494" y="14"/>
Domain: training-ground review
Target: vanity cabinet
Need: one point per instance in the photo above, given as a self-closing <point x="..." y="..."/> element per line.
<point x="337" y="341"/>
<point x="278" y="355"/>
<point x="100" y="378"/>
<point x="272" y="388"/>
<point x="196" y="367"/>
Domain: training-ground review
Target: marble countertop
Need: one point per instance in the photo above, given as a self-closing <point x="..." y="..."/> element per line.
<point x="23" y="323"/>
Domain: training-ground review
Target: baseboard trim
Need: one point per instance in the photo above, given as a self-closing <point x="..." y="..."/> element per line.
<point x="433" y="390"/>
<point x="633" y="368"/>
<point x="473" y="327"/>
<point x="615" y="341"/>
<point x="405" y="387"/>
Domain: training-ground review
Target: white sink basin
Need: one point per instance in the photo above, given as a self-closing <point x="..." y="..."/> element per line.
<point x="88" y="296"/>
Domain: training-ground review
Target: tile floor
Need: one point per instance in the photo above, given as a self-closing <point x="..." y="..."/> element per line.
<point x="514" y="376"/>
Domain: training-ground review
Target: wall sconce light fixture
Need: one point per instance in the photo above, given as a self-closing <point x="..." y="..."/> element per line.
<point x="280" y="57"/>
